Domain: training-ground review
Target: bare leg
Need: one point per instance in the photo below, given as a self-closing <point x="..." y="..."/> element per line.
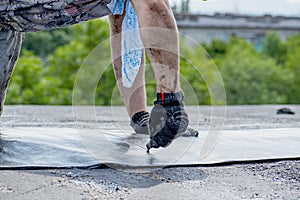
<point x="158" y="14"/>
<point x="168" y="118"/>
<point x="135" y="97"/>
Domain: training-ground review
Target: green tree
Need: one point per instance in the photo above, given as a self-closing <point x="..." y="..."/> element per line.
<point x="28" y="84"/>
<point x="91" y="33"/>
<point x="216" y="48"/>
<point x="250" y="79"/>
<point x="66" y="61"/>
<point x="293" y="65"/>
<point x="45" y="42"/>
<point x="51" y="82"/>
<point x="293" y="43"/>
<point x="197" y="68"/>
<point x="274" y="47"/>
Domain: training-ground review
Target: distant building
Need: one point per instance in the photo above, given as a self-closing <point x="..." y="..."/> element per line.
<point x="205" y="28"/>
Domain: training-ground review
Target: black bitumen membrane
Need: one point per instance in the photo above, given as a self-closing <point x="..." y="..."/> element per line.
<point x="63" y="147"/>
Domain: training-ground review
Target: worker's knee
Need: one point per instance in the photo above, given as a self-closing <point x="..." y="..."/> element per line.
<point x="156" y="6"/>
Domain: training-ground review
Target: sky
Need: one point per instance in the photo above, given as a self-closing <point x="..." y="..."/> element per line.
<point x="253" y="7"/>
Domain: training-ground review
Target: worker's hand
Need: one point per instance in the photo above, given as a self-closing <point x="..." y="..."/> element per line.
<point x="168" y="120"/>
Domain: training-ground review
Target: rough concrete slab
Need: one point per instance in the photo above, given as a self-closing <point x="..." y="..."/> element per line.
<point x="237" y="117"/>
<point x="275" y="180"/>
<point x="263" y="180"/>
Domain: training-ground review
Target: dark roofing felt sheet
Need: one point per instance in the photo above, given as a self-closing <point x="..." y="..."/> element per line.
<point x="66" y="147"/>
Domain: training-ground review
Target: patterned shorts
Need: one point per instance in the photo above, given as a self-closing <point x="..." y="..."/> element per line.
<point x="17" y="17"/>
<point x="38" y="15"/>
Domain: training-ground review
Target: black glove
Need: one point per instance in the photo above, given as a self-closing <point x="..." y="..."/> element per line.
<point x="168" y="119"/>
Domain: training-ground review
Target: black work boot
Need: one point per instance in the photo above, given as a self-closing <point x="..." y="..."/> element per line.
<point x="139" y="122"/>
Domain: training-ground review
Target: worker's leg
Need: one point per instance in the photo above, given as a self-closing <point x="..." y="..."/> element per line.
<point x="158" y="14"/>
<point x="10" y="44"/>
<point x="134" y="97"/>
<point x="168" y="118"/>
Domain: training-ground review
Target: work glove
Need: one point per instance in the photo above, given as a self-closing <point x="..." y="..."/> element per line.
<point x="168" y="120"/>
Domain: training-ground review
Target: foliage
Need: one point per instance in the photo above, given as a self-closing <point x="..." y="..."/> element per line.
<point x="45" y="74"/>
<point x="273" y="47"/>
<point x="67" y="59"/>
<point x="216" y="48"/>
<point x="250" y="79"/>
<point x="197" y="69"/>
<point x="29" y="85"/>
<point x="293" y="65"/>
<point x="45" y="42"/>
<point x="51" y="82"/>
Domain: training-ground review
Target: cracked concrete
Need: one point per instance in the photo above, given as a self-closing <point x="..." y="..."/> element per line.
<point x="247" y="181"/>
<point x="263" y="180"/>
